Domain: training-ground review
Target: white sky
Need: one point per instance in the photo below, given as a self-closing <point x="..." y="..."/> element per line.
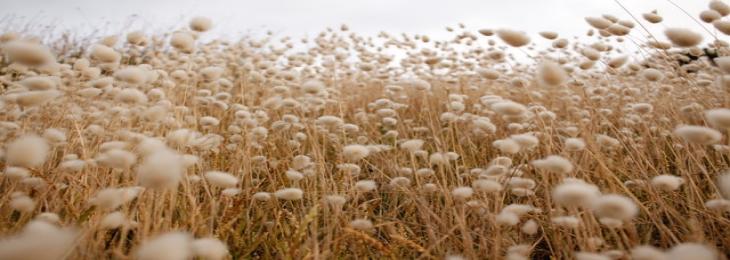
<point x="307" y="17"/>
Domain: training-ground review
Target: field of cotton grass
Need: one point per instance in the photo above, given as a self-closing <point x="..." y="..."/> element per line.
<point x="494" y="144"/>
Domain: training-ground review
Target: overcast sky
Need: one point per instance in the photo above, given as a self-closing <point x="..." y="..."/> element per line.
<point x="307" y="17"/>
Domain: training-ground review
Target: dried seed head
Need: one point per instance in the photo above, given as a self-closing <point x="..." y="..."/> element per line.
<point x="513" y="38"/>
<point x="692" y="251"/>
<point x="683" y="37"/>
<point x="719" y="6"/>
<point x="575" y="193"/>
<point x="289" y="194"/>
<point x="366" y="186"/>
<point x="362" y="225"/>
<point x="169" y="246"/>
<point x="551" y="73"/>
<point x="161" y="170"/>
<point x="698" y="134"/>
<point x="27" y="151"/>
<point x="209" y="249"/>
<point x="355" y="152"/>
<point x="554" y="164"/>
<point x="221" y="179"/>
<point x="28" y="53"/>
<point x="462" y="193"/>
<point x="667" y="182"/>
<point x="615" y="206"/>
<point x="201" y="24"/>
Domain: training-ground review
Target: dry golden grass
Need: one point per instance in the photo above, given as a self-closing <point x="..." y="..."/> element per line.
<point x="144" y="146"/>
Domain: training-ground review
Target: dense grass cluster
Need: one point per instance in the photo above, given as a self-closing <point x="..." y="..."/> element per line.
<point x="495" y="144"/>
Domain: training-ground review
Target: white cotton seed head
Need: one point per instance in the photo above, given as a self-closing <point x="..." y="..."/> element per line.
<point x="462" y="193"/>
<point x="355" y="152"/>
<point x="104" y="54"/>
<point x="454" y="257"/>
<point x="349" y="169"/>
<point x="366" y="186"/>
<point x="607" y="142"/>
<point x="698" y="134"/>
<point x="362" y="225"/>
<point x="211" y="73"/>
<point x="169" y="246"/>
<point x="692" y="251"/>
<point x="438" y="159"/>
<point x="27" y="151"/>
<point x="113" y="220"/>
<point x="575" y="194"/>
<point x="182" y="41"/>
<point x="38" y="240"/>
<point x="39" y="83"/>
<point x="652" y="17"/>
<point x="201" y="24"/>
<point x="615" y="206"/>
<point x="719" y="6"/>
<point x="642" y="108"/>
<point x="221" y="179"/>
<point x="509" y="108"/>
<point x="209" y="249"/>
<point x="181" y="137"/>
<point x="289" y="194"/>
<point x="293" y="175"/>
<point x="112" y="198"/>
<point x="136" y="38"/>
<point x="530" y="227"/>
<point x="549" y="35"/>
<point x="28" y="53"/>
<point x="16" y="173"/>
<point x="335" y="201"/>
<point x="48" y="217"/>
<point x="590" y="256"/>
<point x="209" y="121"/>
<point x="647" y="253"/>
<point x="574" y="144"/>
<point x="36" y="98"/>
<point x="652" y="75"/>
<point x="131" y="75"/>
<point x="262" y="196"/>
<point x="507" y="219"/>
<point x="666" y="182"/>
<point x="301" y="162"/>
<point x="723" y="184"/>
<point x="412" y="145"/>
<point x="551" y="73"/>
<point x="513" y="38"/>
<point x="486" y="186"/>
<point x="508" y="146"/>
<point x="709" y="16"/>
<point x="54" y="135"/>
<point x="566" y="221"/>
<point x="719" y="118"/>
<point x="117" y="159"/>
<point x="131" y="96"/>
<point x="724" y="27"/>
<point x="683" y="37"/>
<point x="599" y="23"/>
<point x="400" y="181"/>
<point x="161" y="170"/>
<point x="72" y="165"/>
<point x="617" y="62"/>
<point x="23" y="204"/>
<point x="554" y="163"/>
<point x="718" y="205"/>
<point x="526" y="141"/>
